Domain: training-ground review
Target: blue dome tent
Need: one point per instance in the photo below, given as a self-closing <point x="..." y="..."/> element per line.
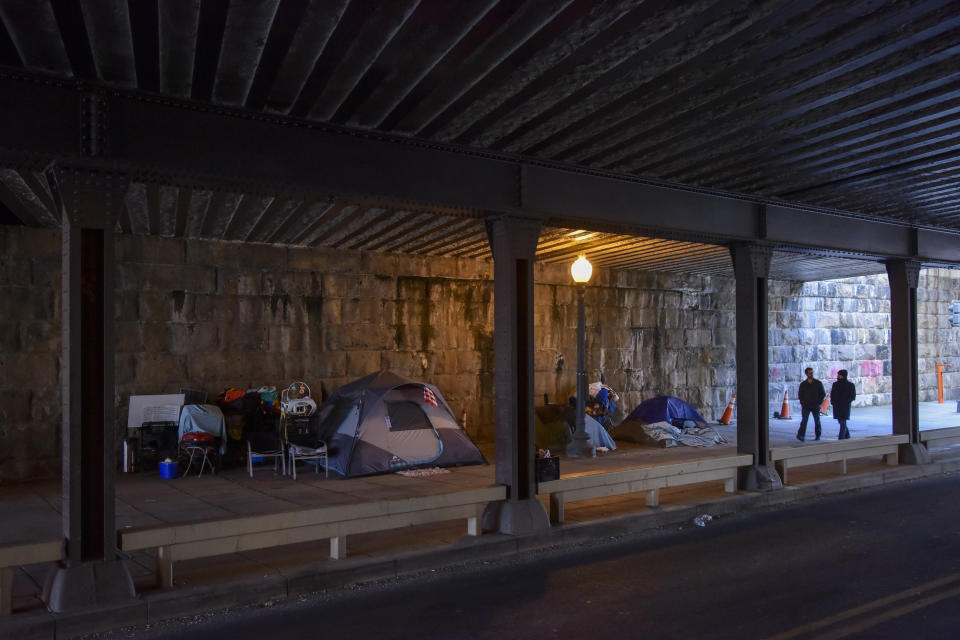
<point x="666" y="421"/>
<point x="664" y="409"/>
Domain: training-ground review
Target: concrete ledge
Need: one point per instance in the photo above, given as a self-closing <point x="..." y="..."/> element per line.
<point x="785" y="458"/>
<point x="649" y="480"/>
<point x="213" y="537"/>
<point x="159" y="605"/>
<point x="19" y="554"/>
<point x="944" y="437"/>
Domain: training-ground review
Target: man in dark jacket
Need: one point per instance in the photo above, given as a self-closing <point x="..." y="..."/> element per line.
<point x="811" y="394"/>
<point x="842" y="395"/>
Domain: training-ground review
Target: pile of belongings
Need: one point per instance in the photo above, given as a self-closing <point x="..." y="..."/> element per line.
<point x="249" y="410"/>
<point x="601" y="404"/>
<point x="666" y="421"/>
<point x="234" y="400"/>
<point x="555" y="424"/>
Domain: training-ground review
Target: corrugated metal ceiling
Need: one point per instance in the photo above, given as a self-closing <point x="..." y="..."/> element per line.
<point x="354" y="225"/>
<point x="849" y="106"/>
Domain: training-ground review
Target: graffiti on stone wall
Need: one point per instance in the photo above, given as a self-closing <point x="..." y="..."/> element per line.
<point x="871" y="368"/>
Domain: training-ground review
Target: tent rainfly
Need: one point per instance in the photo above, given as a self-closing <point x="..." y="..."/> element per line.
<point x="383" y="423"/>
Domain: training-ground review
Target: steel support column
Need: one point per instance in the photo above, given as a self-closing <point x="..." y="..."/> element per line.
<point x="751" y="265"/>
<point x="903" y="276"/>
<point x="514" y="244"/>
<point x="90" y="573"/>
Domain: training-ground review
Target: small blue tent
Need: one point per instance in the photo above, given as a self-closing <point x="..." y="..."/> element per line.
<point x="664" y="409"/>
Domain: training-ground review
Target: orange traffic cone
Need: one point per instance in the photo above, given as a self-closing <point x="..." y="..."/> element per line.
<point x="728" y="414"/>
<point x="824" y="405"/>
<point x="785" y="409"/>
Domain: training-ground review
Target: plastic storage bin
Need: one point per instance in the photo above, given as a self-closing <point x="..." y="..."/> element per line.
<point x="169" y="469"/>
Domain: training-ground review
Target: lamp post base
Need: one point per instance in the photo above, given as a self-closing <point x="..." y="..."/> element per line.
<point x="579" y="447"/>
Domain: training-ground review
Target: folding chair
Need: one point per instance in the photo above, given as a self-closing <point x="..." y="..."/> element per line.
<point x="206" y="450"/>
<point x="303" y="442"/>
<point x="299" y="452"/>
<point x="265" y="445"/>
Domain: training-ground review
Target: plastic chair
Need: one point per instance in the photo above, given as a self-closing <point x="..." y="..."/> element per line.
<point x="265" y="445"/>
<point x="303" y="442"/>
<point x="300" y="452"/>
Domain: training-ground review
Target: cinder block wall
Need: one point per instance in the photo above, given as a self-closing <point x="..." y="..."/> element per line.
<point x="211" y="315"/>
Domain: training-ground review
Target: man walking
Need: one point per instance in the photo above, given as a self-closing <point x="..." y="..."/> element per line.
<point x="842" y="395"/>
<point x="811" y="394"/>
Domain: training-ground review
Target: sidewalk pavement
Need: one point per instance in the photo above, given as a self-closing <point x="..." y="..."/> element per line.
<point x="282" y="572"/>
<point x="864" y="421"/>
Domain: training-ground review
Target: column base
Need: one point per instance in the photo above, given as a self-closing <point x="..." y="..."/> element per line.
<point x="760" y="478"/>
<point x="579" y="447"/>
<point x="913" y="453"/>
<point x="88" y="584"/>
<point x="516" y="517"/>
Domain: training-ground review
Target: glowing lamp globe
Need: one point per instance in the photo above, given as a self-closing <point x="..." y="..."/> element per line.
<point x="581" y="270"/>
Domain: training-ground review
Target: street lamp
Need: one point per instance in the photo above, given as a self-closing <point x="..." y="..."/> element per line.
<point x="579" y="446"/>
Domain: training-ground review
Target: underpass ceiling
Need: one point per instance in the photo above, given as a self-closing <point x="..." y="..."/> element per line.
<point x="170" y="211"/>
<point x="851" y="107"/>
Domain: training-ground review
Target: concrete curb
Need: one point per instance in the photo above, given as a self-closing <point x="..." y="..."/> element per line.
<point x="280" y="585"/>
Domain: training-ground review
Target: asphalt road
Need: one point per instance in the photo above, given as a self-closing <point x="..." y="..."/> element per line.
<point x="882" y="563"/>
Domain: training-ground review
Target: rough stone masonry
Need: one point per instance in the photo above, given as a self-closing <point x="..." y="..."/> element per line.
<point x="212" y="315"/>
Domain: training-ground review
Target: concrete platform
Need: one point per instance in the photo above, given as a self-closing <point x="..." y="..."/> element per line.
<point x="32" y="512"/>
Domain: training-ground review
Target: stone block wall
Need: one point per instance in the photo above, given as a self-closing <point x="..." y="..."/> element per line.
<point x="212" y="315"/>
<point x="647" y="334"/>
<point x="29" y="353"/>
<point x="845" y="324"/>
<point x="937" y="341"/>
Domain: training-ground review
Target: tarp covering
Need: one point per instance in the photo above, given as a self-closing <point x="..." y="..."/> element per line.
<point x="203" y="418"/>
<point x="664" y="434"/>
<point x="384" y="422"/>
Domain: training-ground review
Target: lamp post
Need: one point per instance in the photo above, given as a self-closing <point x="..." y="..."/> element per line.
<point x="579" y="446"/>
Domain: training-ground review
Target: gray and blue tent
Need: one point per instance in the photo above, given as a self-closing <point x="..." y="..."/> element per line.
<point x="384" y="422"/>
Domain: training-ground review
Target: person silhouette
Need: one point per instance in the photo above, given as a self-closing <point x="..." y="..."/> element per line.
<point x="810" y="394"/>
<point x="842" y="395"/>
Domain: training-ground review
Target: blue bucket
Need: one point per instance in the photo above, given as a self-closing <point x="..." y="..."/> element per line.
<point x="169" y="469"/>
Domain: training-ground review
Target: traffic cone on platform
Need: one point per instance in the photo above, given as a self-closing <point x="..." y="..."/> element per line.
<point x="824" y="405"/>
<point x="728" y="414"/>
<point x="785" y="409"/>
